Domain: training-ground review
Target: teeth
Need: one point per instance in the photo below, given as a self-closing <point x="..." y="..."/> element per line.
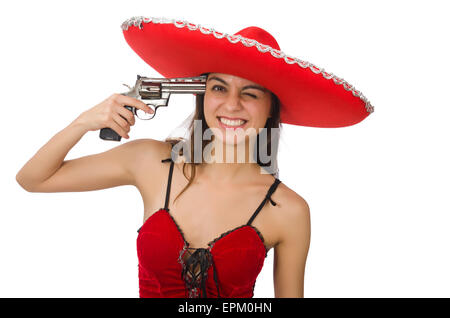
<point x="228" y="122"/>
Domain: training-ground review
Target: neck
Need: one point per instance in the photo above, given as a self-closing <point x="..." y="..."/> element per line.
<point x="230" y="163"/>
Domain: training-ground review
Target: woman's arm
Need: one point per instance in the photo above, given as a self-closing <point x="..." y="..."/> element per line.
<point x="291" y="253"/>
<point x="47" y="171"/>
<point x="50" y="157"/>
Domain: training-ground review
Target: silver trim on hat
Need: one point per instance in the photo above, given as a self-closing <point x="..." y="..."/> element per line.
<point x="138" y="20"/>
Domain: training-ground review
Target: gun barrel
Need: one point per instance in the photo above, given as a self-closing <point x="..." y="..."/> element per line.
<point x="183" y="88"/>
<point x="156" y="89"/>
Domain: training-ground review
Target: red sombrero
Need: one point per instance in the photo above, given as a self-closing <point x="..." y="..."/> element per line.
<point x="309" y="96"/>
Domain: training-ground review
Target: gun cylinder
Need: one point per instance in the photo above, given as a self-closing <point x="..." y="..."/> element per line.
<point x="155" y="88"/>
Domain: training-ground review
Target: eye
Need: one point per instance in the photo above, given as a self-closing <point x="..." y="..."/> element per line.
<point x="250" y="95"/>
<point x="217" y="86"/>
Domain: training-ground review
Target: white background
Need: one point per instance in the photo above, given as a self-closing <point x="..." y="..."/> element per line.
<point x="378" y="190"/>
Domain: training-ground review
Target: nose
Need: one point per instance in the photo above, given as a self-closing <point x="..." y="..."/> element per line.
<point x="233" y="101"/>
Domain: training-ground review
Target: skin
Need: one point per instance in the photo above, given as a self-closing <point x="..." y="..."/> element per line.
<point x="234" y="191"/>
<point x="233" y="97"/>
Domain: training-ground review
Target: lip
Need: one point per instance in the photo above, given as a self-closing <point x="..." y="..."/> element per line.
<point x="230" y="127"/>
<point x="230" y="118"/>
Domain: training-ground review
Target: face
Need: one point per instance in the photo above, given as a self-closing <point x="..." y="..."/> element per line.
<point x="232" y="102"/>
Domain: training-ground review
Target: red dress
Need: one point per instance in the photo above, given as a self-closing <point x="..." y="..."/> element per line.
<point x="169" y="268"/>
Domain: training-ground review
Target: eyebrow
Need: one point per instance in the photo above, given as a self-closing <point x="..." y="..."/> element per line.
<point x="245" y="87"/>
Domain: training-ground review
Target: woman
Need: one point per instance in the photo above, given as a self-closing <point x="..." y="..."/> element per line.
<point x="212" y="238"/>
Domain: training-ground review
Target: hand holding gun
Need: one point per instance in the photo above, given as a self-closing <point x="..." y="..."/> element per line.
<point x="157" y="91"/>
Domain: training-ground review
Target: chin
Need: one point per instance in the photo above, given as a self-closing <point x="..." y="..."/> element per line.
<point x="231" y="138"/>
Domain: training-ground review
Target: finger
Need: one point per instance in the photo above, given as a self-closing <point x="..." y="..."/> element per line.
<point x="130" y="101"/>
<point x="118" y="129"/>
<point x="127" y="114"/>
<point x="121" y="122"/>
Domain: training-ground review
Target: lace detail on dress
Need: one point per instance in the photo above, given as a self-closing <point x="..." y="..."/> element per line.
<point x="195" y="266"/>
<point x="195" y="270"/>
<point x="176" y="224"/>
<point x="211" y="244"/>
<point x="262" y="239"/>
<point x="195" y="262"/>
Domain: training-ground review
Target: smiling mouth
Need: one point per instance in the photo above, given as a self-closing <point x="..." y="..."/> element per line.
<point x="231" y="123"/>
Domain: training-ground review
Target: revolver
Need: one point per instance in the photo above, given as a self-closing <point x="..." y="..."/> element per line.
<point x="157" y="91"/>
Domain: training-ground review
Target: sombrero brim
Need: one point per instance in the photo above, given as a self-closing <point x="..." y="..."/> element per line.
<point x="309" y="96"/>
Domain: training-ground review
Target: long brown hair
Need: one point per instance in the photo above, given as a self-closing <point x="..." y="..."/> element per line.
<point x="272" y="122"/>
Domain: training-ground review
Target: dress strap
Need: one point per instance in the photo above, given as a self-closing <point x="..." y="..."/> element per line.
<point x="168" y="185"/>
<point x="272" y="189"/>
<point x="169" y="181"/>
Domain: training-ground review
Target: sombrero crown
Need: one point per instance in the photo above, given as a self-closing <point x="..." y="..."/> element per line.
<point x="309" y="96"/>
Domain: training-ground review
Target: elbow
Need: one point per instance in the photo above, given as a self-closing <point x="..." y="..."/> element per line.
<point x="23" y="184"/>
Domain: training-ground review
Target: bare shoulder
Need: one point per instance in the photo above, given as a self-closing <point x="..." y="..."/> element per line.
<point x="291" y="249"/>
<point x="150" y="148"/>
<point x="293" y="214"/>
<point x="146" y="156"/>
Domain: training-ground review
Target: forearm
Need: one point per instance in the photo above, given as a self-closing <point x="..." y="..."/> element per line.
<point x="51" y="156"/>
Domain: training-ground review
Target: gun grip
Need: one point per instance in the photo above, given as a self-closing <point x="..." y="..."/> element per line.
<point x="109" y="134"/>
